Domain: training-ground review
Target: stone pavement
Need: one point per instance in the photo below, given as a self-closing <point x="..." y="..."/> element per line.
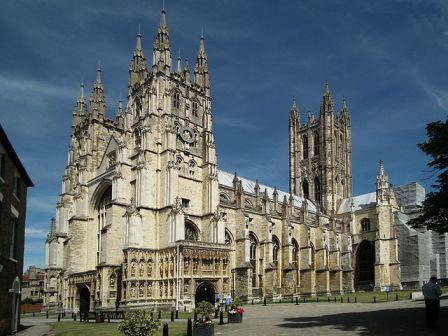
<point x="41" y="329"/>
<point x="318" y="319"/>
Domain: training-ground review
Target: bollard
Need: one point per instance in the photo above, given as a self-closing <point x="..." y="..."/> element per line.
<point x="297" y="300"/>
<point x="172" y="316"/>
<point x="356" y="300"/>
<point x="35" y="314"/>
<point x="317" y="299"/>
<point x="185" y="308"/>
<point x="264" y="302"/>
<point x="189" y="328"/>
<point x="410" y="296"/>
<point x="280" y="300"/>
<point x="348" y="299"/>
<point x="335" y="299"/>
<point x="252" y="301"/>
<point x="216" y="313"/>
<point x="47" y="313"/>
<point x="396" y="297"/>
<point x="328" y="299"/>
<point x="195" y="316"/>
<point x="221" y="317"/>
<point x="177" y="314"/>
<point x="342" y="299"/>
<point x="374" y="299"/>
<point x="304" y="299"/>
<point x="160" y="315"/>
<point x="59" y="317"/>
<point x="165" y="329"/>
<point x="74" y="317"/>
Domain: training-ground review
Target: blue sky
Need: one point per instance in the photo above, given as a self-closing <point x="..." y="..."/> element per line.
<point x="388" y="58"/>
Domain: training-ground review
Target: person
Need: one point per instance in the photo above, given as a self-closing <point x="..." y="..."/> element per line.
<point x="431" y="292"/>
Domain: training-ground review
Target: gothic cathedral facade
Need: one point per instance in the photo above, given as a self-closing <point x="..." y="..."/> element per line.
<point x="145" y="218"/>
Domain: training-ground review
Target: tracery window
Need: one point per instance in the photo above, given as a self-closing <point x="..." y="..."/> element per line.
<point x="275" y="249"/>
<point x="191" y="233"/>
<point x="305" y="146"/>
<point x="228" y="238"/>
<point x="365" y="224"/>
<point x="253" y="257"/>
<point x="295" y="251"/>
<point x="316" y="143"/>
<point x="101" y="211"/>
<point x="317" y="190"/>
<point x="305" y="189"/>
<point x="195" y="108"/>
<point x="176" y="99"/>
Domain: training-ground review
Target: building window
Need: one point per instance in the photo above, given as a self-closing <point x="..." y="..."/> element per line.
<point x="228" y="238"/>
<point x="253" y="258"/>
<point x="13" y="240"/>
<point x="305" y="189"/>
<point x="365" y="224"/>
<point x="305" y="146"/>
<point x="194" y="111"/>
<point x="16" y="186"/>
<point x="176" y="100"/>
<point x="317" y="190"/>
<point x="316" y="143"/>
<point x="295" y="251"/>
<point x="102" y="208"/>
<point x="191" y="233"/>
<point x="2" y="165"/>
<point x="275" y="249"/>
<point x="185" y="203"/>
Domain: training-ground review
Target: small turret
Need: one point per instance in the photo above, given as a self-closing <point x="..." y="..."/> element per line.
<point x="119" y="118"/>
<point x="80" y="108"/>
<point x="294" y="116"/>
<point x="327" y="101"/>
<point x="187" y="71"/>
<point x="137" y="69"/>
<point x="344" y="114"/>
<point x="382" y="185"/>
<point x="201" y="76"/>
<point x="161" y="60"/>
<point x="97" y="100"/>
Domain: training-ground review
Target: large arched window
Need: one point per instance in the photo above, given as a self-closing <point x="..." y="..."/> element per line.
<point x="305" y="146"/>
<point x="365" y="264"/>
<point x="176" y="99"/>
<point x="253" y="257"/>
<point x="305" y="189"/>
<point x="191" y="231"/>
<point x="365" y="225"/>
<point x="317" y="190"/>
<point x="102" y="208"/>
<point x="275" y="249"/>
<point x="341" y="146"/>
<point x="316" y="143"/>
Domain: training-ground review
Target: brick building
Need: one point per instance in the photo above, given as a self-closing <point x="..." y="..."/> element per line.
<point x="14" y="182"/>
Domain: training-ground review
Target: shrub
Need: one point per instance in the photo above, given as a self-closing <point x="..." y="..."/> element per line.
<point x="204" y="310"/>
<point x="139" y="323"/>
<point x="237" y="303"/>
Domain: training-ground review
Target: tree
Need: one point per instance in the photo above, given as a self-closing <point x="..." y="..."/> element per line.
<point x="435" y="206"/>
<point x="139" y="323"/>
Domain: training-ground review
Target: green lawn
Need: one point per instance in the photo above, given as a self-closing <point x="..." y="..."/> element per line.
<point x="107" y="329"/>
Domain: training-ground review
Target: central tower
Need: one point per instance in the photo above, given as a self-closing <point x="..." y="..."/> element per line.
<point x="320" y="155"/>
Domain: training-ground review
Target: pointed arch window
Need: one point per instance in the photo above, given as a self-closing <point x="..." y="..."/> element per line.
<point x="341" y="147"/>
<point x="295" y="251"/>
<point x="253" y="257"/>
<point x="317" y="190"/>
<point x="365" y="225"/>
<point x="101" y="211"/>
<point x="305" y="146"/>
<point x="275" y="249"/>
<point x="305" y="189"/>
<point x="316" y="143"/>
<point x="176" y="99"/>
<point x="195" y="109"/>
<point x="191" y="232"/>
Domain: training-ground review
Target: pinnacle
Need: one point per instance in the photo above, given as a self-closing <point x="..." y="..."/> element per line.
<point x="163" y="18"/>
<point x="98" y="76"/>
<point x="138" y="45"/>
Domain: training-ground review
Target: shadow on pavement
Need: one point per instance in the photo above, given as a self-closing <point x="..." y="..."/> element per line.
<point x="406" y="321"/>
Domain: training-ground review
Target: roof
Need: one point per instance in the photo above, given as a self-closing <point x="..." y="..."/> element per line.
<point x="226" y="179"/>
<point x="12" y="153"/>
<point x="360" y="202"/>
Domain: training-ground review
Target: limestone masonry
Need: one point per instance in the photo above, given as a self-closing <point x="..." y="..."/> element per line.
<point x="145" y="218"/>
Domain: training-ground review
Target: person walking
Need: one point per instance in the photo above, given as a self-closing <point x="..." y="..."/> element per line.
<point x="431" y="292"/>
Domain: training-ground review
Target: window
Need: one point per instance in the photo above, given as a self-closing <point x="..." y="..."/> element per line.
<point x="316" y="143"/>
<point x="13" y="240"/>
<point x="102" y="208"/>
<point x="194" y="111"/>
<point x="16" y="186"/>
<point x="275" y="249"/>
<point x="2" y="165"/>
<point x="228" y="238"/>
<point x="253" y="257"/>
<point x="341" y="146"/>
<point x="305" y="189"/>
<point x="191" y="233"/>
<point x="305" y="146"/>
<point x="185" y="203"/>
<point x="295" y="251"/>
<point x="365" y="224"/>
<point x="176" y="100"/>
<point x="317" y="189"/>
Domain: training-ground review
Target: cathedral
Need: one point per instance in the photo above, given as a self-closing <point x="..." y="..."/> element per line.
<point x="146" y="219"/>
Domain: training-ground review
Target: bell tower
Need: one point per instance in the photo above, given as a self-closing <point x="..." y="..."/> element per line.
<point x="320" y="155"/>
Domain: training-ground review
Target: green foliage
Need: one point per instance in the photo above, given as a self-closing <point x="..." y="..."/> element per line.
<point x="139" y="323"/>
<point x="204" y="309"/>
<point x="435" y="207"/>
<point x="237" y="303"/>
<point x="27" y="300"/>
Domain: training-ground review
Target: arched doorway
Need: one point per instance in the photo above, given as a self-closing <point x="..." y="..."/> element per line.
<point x="365" y="266"/>
<point x="84" y="300"/>
<point x="205" y="292"/>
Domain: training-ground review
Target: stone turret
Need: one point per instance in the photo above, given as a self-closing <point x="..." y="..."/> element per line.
<point x="201" y="75"/>
<point x="138" y="71"/>
<point x="161" y="59"/>
<point x="97" y="100"/>
<point x="80" y="111"/>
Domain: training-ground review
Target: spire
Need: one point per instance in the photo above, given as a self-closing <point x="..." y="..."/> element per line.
<point x="187" y="70"/>
<point x="179" y="63"/>
<point x="161" y="52"/>
<point x="97" y="100"/>
<point x="137" y="68"/>
<point x="382" y="184"/>
<point x="201" y="75"/>
<point x="327" y="101"/>
<point x="344" y="111"/>
<point x="294" y="116"/>
<point x="119" y="117"/>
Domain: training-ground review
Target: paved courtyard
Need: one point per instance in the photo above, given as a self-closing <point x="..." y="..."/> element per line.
<point x="391" y="318"/>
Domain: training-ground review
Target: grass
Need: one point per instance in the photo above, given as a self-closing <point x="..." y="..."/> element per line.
<point x="107" y="329"/>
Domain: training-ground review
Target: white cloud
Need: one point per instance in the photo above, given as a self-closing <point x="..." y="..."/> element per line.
<point x="31" y="232"/>
<point x="42" y="204"/>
